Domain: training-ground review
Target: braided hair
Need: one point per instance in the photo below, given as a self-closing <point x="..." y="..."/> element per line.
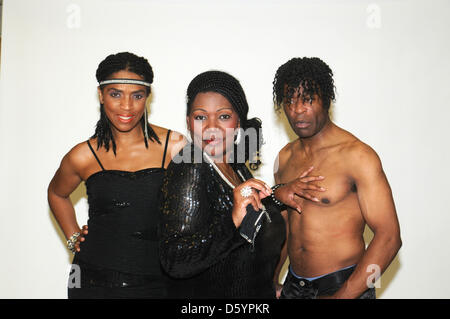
<point x="112" y="64"/>
<point x="229" y="87"/>
<point x="312" y="74"/>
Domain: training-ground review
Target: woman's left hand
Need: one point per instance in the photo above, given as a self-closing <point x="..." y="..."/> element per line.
<point x="257" y="190"/>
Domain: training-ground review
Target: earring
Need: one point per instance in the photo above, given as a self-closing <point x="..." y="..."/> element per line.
<point x="145" y="124"/>
<point x="238" y="136"/>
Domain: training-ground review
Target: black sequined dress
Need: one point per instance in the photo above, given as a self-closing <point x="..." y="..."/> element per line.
<point x="119" y="258"/>
<point x="199" y="243"/>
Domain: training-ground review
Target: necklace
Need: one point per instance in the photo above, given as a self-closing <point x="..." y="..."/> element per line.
<point x="210" y="161"/>
<point x="263" y="211"/>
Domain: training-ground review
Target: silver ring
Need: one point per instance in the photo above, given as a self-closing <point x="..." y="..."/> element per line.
<point x="246" y="191"/>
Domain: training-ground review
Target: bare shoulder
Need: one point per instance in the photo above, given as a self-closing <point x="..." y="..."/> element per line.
<point x="360" y="150"/>
<point x="287" y="151"/>
<point x="362" y="157"/>
<point x="161" y="132"/>
<point x="79" y="157"/>
<point x="283" y="157"/>
<point x="176" y="140"/>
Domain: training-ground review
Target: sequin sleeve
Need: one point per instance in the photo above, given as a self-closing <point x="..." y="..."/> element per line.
<point x="193" y="235"/>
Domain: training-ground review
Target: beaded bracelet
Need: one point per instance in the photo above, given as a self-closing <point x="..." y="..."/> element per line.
<point x="276" y="201"/>
<point x="72" y="241"/>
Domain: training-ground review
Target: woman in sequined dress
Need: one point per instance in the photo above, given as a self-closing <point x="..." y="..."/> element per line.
<point x="122" y="165"/>
<point x="205" y="205"/>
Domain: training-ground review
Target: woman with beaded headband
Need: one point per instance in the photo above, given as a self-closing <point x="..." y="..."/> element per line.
<point x="122" y="165"/>
<point x="219" y="237"/>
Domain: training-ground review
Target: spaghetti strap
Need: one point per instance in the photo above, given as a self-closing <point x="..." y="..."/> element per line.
<point x="165" y="148"/>
<point x="95" y="155"/>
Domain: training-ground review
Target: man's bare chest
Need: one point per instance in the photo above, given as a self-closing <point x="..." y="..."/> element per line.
<point x="336" y="172"/>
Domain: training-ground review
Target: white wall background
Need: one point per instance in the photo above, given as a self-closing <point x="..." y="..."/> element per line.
<point x="391" y="65"/>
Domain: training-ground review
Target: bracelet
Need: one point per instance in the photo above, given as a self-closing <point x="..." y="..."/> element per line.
<point x="72" y="241"/>
<point x="276" y="201"/>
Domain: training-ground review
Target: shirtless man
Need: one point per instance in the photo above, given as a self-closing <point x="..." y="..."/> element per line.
<point x="327" y="253"/>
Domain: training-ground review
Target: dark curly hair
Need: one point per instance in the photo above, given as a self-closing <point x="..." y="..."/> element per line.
<point x="112" y="64"/>
<point x="312" y="74"/>
<point x="228" y="86"/>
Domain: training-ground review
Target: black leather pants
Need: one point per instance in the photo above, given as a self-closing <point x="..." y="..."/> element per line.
<point x="300" y="288"/>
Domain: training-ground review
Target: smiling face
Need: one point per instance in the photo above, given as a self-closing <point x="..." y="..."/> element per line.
<point x="124" y="104"/>
<point x="212" y="121"/>
<point x="305" y="114"/>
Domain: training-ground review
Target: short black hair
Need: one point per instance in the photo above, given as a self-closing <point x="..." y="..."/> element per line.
<point x="312" y="74"/>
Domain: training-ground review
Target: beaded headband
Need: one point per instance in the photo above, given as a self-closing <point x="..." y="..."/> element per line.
<point x="125" y="81"/>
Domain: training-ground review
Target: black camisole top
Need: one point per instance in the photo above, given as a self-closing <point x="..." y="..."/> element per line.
<point x="123" y="219"/>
